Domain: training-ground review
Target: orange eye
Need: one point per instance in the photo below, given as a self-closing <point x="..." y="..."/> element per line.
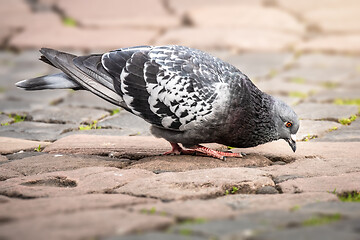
<point x="288" y="124"/>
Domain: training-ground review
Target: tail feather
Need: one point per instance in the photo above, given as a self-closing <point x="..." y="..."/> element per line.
<point x="54" y="81"/>
<point x="65" y="62"/>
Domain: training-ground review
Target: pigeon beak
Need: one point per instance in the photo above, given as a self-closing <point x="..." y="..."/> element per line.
<point x="292" y="142"/>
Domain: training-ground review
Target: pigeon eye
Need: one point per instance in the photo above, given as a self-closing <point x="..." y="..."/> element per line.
<point x="288" y="124"/>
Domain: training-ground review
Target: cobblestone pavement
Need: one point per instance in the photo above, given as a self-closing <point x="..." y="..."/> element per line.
<point x="75" y="167"/>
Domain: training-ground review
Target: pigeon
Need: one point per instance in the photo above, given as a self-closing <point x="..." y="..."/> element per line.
<point x="188" y="96"/>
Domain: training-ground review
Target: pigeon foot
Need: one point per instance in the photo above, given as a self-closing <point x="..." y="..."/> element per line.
<point x="204" y="151"/>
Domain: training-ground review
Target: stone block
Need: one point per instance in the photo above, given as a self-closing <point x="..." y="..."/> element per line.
<point x="332" y="112"/>
<point x="201" y="184"/>
<point x="122" y="146"/>
<point x="244" y="39"/>
<point x="225" y="16"/>
<point x="35" y="130"/>
<point x="71" y="183"/>
<point x="120" y="13"/>
<point x="11" y="145"/>
<point x="44" y="163"/>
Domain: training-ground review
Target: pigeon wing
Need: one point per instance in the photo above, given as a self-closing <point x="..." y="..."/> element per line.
<point x="171" y="87"/>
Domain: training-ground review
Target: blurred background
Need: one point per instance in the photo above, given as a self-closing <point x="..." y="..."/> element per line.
<point x="305" y="52"/>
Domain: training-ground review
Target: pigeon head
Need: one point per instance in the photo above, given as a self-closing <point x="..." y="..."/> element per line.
<point x="287" y="123"/>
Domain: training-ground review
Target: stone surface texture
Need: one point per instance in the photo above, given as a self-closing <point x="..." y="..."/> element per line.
<point x="73" y="166"/>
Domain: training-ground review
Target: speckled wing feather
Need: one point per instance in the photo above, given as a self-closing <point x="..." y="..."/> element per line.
<point x="169" y="86"/>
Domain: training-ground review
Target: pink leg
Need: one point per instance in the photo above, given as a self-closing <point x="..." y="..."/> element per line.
<point x="176" y="150"/>
<point x="216" y="154"/>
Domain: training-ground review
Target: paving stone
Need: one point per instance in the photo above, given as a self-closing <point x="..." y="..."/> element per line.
<point x="329" y="19"/>
<point x="12" y="145"/>
<point x="308" y="5"/>
<point x="347" y="230"/>
<point x="83" y="225"/>
<point x="19" y="209"/>
<point x="267" y="190"/>
<point x="133" y="147"/>
<point x="6" y="174"/>
<point x="257" y="65"/>
<point x="256" y="40"/>
<point x="197" y="183"/>
<point x="18" y="107"/>
<point x="105" y="132"/>
<point x="22" y="154"/>
<point x="244" y="226"/>
<point x="184" y="163"/>
<point x="330" y="96"/>
<point x="326" y="61"/>
<point x="155" y="235"/>
<point x="315" y="75"/>
<point x="278" y="86"/>
<point x="231" y="205"/>
<point x="81" y="38"/>
<point x="341" y="183"/>
<point x="183" y="7"/>
<point x="3" y="159"/>
<point x="44" y="163"/>
<point x="347" y="209"/>
<point x="223" y="16"/>
<point x="37" y="98"/>
<point x="67" y="115"/>
<point x="245" y="203"/>
<point x="127" y="121"/>
<point x="331" y="112"/>
<point x="188" y="209"/>
<point x="71" y="183"/>
<point x="87" y="99"/>
<point x="310" y="128"/>
<point x="344" y="43"/>
<point x="5" y="119"/>
<point x="344" y="134"/>
<point x="283" y="178"/>
<point x="312" y="158"/>
<point x="35" y="130"/>
<point x="352" y="83"/>
<point x="142" y="14"/>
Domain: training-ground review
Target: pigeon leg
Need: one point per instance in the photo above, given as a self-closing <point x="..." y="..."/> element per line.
<point x="205" y="151"/>
<point x="213" y="153"/>
<point x="177" y="150"/>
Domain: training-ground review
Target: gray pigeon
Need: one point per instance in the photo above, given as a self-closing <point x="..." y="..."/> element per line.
<point x="189" y="96"/>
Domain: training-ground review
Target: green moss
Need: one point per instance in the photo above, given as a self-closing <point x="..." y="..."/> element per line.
<point x="5" y="124"/>
<point x="308" y="138"/>
<point x="38" y="149"/>
<point x="17" y="118"/>
<point x="333" y="129"/>
<point x="321" y="220"/>
<point x="115" y="111"/>
<point x="298" y="80"/>
<point x="273" y="73"/>
<point x="340" y="101"/>
<point x="233" y="190"/>
<point x="295" y="208"/>
<point x="70" y="22"/>
<point x="186" y="232"/>
<point x="93" y="125"/>
<point x="329" y="85"/>
<point x="298" y="94"/>
<point x="350" y="197"/>
<point x="194" y="221"/>
<point x="347" y="121"/>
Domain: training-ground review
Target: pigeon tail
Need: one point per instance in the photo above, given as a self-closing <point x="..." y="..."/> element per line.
<point x="54" y="81"/>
